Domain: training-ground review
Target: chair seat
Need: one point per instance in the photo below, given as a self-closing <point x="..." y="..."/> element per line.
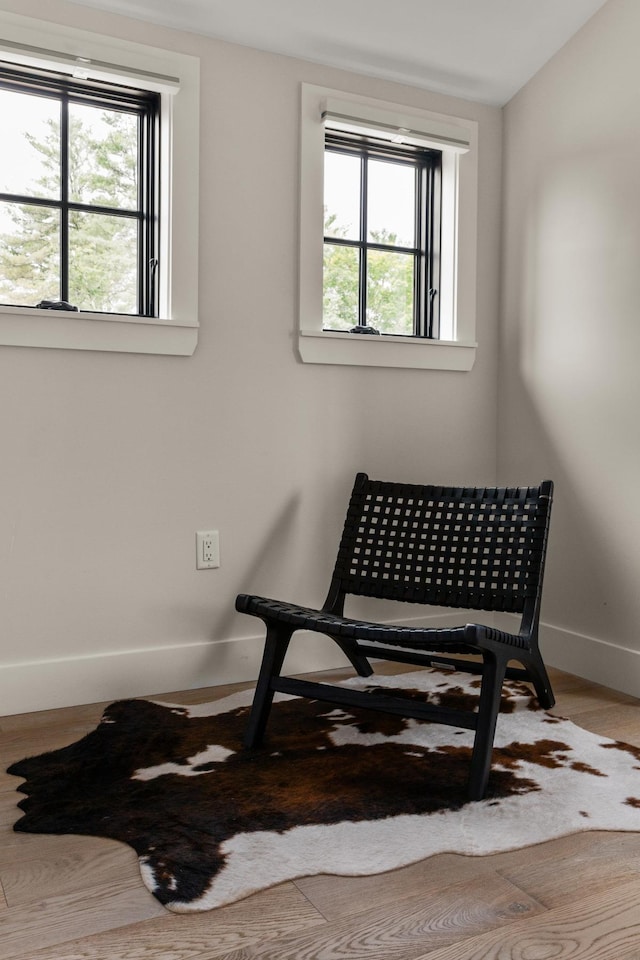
<point x="417" y="638"/>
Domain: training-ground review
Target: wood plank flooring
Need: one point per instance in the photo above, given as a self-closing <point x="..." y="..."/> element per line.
<point x="81" y="898"/>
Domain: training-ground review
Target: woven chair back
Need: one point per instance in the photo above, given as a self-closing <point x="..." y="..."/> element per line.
<point x="480" y="548"/>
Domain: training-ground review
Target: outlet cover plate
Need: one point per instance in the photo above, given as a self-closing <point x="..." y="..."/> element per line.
<point x="207" y="549"/>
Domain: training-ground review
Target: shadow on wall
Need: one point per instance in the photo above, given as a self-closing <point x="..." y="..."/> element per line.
<point x="275" y="544"/>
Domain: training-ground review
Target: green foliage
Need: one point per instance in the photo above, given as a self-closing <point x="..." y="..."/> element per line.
<point x="102" y="248"/>
<point x="389" y="284"/>
<point x="29" y="256"/>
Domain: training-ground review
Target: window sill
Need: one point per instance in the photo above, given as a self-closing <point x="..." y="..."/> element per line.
<point x="62" y="329"/>
<point x="356" y="349"/>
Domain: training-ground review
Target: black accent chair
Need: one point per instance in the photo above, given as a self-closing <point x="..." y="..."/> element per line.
<point x="477" y="548"/>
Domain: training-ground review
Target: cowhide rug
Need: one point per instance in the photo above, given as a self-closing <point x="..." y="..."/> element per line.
<point x="331" y="791"/>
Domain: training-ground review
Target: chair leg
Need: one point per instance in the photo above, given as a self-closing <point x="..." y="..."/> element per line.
<point x="275" y="649"/>
<point x="490" y="693"/>
<point x="540" y="679"/>
<point x="350" y="649"/>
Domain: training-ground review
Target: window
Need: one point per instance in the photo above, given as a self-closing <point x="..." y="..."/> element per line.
<point x="98" y="191"/>
<point x="78" y="180"/>
<point x="381" y="233"/>
<point x="388" y="214"/>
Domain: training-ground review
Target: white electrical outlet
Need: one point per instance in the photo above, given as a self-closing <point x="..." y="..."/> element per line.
<point x="207" y="549"/>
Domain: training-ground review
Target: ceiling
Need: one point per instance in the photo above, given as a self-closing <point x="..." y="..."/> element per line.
<point x="482" y="50"/>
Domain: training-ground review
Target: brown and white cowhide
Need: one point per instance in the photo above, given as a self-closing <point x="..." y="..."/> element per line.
<point x="332" y="791"/>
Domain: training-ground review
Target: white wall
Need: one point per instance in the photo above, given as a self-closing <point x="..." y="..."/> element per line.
<point x="570" y="389"/>
<point x="111" y="462"/>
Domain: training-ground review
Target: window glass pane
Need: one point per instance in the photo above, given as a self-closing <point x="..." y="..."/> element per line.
<point x="30" y="154"/>
<point x="103" y="252"/>
<point x="341" y="195"/>
<point x="391" y="206"/>
<point x="341" y="287"/>
<point x="103" y="157"/>
<point x="390" y="291"/>
<point x="29" y="254"/>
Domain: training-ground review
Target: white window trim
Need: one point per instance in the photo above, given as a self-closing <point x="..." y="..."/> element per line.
<point x="459" y="243"/>
<point x="177" y="76"/>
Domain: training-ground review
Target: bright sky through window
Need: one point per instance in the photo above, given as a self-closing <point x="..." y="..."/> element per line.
<point x="391" y="197"/>
<point x="21" y="166"/>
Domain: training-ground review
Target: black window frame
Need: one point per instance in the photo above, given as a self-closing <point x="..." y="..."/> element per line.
<point x="146" y="105"/>
<point x="427" y="164"/>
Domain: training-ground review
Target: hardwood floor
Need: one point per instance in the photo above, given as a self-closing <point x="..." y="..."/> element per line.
<point x="79" y="898"/>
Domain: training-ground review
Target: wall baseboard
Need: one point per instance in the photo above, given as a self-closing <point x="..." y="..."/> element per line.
<point x="597" y="660"/>
<point x="48" y="684"/>
<point x="66" y="682"/>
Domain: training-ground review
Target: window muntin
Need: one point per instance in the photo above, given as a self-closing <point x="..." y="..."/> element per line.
<point x="78" y="187"/>
<point x="381" y="236"/>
